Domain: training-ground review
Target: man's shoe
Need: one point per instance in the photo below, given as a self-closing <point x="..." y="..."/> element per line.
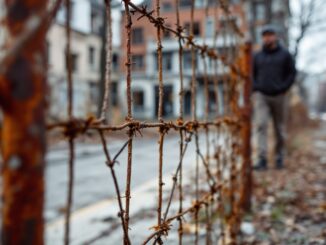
<point x="279" y="163"/>
<point x="261" y="165"/>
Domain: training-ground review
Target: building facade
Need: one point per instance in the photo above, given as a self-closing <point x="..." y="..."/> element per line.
<point x="87" y="21"/>
<point x="144" y="84"/>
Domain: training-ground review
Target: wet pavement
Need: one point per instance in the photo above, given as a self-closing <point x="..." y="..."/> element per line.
<point x="93" y="181"/>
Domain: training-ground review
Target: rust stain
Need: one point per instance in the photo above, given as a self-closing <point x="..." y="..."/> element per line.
<point x="23" y="132"/>
<point x="20" y="71"/>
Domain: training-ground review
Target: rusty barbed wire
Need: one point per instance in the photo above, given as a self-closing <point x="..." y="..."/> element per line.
<point x="207" y="156"/>
<point x="129" y="116"/>
<point x="181" y="132"/>
<point x="71" y="143"/>
<point x="108" y="63"/>
<point x="110" y="163"/>
<point x="219" y="171"/>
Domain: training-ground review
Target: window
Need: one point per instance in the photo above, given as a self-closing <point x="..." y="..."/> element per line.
<point x="138" y="100"/>
<point x="187" y="60"/>
<point x="91" y="57"/>
<point x="137" y="36"/>
<point x="74" y="61"/>
<point x="137" y="61"/>
<point x="212" y="107"/>
<point x="196" y="27"/>
<point x="167" y="107"/>
<point x="226" y="22"/>
<point x="115" y="62"/>
<point x="166" y="61"/>
<point x="167" y="34"/>
<point x="96" y="21"/>
<point x="167" y="7"/>
<point x="209" y="29"/>
<point x="94" y="93"/>
<point x="260" y="11"/>
<point x="185" y="3"/>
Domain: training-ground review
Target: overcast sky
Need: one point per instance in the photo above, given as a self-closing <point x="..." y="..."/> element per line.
<point x="313" y="48"/>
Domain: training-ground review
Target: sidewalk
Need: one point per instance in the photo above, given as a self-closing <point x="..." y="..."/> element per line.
<point x="99" y="223"/>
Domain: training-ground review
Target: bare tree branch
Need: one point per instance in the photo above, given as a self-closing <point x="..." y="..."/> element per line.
<point x="308" y="19"/>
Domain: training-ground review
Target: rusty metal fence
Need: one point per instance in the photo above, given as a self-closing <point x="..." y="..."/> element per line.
<point x="224" y="194"/>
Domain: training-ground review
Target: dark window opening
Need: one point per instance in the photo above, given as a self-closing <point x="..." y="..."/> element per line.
<point x="185" y="3"/>
<point x="166" y="33"/>
<point x="187" y="60"/>
<point x="91" y="56"/>
<point x="166" y="61"/>
<point x="187" y="103"/>
<point x="196" y="28"/>
<point x="74" y="61"/>
<point x="96" y="21"/>
<point x="94" y="93"/>
<point x="138" y="100"/>
<point x="137" y="62"/>
<point x="137" y="35"/>
<point x="167" y="109"/>
<point x="167" y="7"/>
<point x="212" y="106"/>
<point x="115" y="62"/>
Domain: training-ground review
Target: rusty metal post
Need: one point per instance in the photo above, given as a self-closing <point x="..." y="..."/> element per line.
<point x="22" y="91"/>
<point x="246" y="130"/>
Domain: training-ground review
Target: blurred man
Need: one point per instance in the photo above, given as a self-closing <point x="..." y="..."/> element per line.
<point x="274" y="73"/>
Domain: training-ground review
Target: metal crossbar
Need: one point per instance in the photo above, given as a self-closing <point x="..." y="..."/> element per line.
<point x="222" y="165"/>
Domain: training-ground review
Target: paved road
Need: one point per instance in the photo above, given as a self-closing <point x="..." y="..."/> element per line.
<point x="93" y="181"/>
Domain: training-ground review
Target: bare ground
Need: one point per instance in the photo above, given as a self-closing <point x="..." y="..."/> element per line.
<point x="289" y="205"/>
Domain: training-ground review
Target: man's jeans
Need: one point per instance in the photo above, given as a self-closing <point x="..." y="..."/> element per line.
<point x="275" y="107"/>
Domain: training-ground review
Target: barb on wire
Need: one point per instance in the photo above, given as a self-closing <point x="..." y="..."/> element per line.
<point x="108" y="65"/>
<point x="70" y="116"/>
<point x="129" y="116"/>
<point x="216" y="161"/>
<point x="110" y="163"/>
<point x="175" y="176"/>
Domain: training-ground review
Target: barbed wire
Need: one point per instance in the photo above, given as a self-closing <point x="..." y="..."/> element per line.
<point x="218" y="174"/>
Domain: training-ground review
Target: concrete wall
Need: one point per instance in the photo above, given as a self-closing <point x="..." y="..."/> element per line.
<point x="82" y="78"/>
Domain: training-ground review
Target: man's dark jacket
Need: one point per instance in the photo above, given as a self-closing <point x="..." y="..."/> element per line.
<point x="274" y="71"/>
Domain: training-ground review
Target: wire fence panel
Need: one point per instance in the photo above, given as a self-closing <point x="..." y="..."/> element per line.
<point x="221" y="184"/>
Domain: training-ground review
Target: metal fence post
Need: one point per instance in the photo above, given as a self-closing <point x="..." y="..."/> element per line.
<point x="22" y="99"/>
<point x="246" y="131"/>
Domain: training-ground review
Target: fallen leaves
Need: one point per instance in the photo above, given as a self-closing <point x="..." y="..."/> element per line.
<point x="290" y="205"/>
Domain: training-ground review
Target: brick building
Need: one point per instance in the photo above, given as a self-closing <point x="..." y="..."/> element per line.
<point x="144" y="57"/>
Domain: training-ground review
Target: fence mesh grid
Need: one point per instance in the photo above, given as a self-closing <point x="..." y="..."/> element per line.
<point x="217" y="196"/>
